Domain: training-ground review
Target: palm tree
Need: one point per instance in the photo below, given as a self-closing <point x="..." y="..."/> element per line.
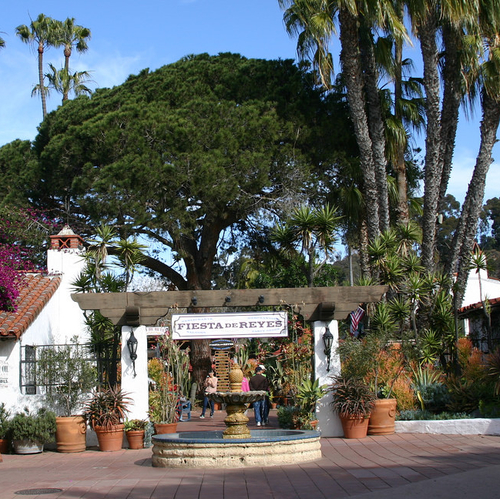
<point x="311" y="229"/>
<point x="313" y="20"/>
<point x="63" y="82"/>
<point x="71" y="35"/>
<point x="40" y="32"/>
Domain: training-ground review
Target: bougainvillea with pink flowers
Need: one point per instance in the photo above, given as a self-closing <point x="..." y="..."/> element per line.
<point x="23" y="236"/>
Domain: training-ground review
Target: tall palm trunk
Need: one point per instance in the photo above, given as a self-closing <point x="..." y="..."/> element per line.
<point x="376" y="125"/>
<point x="351" y="66"/>
<point x="41" y="79"/>
<point x="427" y="35"/>
<point x="464" y="238"/>
<point x="452" y="95"/>
<point x="402" y="208"/>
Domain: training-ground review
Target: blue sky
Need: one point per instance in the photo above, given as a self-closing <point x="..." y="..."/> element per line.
<point x="128" y="37"/>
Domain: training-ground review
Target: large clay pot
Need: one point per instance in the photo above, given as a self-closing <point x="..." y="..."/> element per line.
<point x="354" y="426"/>
<point x="165" y="428"/>
<point x="71" y="434"/>
<point x="25" y="446"/>
<point x="135" y="439"/>
<point x="383" y="417"/>
<point x="110" y="439"/>
<point x="4" y="446"/>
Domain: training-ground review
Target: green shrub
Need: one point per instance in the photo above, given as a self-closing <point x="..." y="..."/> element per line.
<point x="39" y="427"/>
<point x="4" y="421"/>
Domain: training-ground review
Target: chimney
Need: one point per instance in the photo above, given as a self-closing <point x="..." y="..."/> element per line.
<point x="66" y="239"/>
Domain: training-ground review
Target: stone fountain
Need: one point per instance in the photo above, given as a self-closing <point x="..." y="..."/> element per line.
<point x="236" y="446"/>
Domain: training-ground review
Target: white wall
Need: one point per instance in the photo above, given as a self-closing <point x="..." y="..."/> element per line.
<point x="136" y="387"/>
<point x="60" y="320"/>
<point x="328" y="421"/>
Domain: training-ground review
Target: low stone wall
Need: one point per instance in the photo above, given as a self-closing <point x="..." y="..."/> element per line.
<point x="477" y="426"/>
<point x="172" y="451"/>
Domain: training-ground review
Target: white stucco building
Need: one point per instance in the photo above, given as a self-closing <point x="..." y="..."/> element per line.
<point x="46" y="315"/>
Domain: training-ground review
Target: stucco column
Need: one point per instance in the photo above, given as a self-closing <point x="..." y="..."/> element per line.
<point x="136" y="387"/>
<point x="328" y="421"/>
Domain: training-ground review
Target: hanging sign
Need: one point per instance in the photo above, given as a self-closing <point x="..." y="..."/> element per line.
<point x="237" y="325"/>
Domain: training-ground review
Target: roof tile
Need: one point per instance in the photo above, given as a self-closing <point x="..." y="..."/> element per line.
<point x="35" y="292"/>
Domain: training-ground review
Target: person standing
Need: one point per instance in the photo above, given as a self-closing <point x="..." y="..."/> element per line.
<point x="266" y="406"/>
<point x="258" y="382"/>
<point x="210" y="387"/>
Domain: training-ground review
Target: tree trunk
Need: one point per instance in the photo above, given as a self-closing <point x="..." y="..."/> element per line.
<point x="376" y="126"/>
<point x="41" y="79"/>
<point x="452" y="95"/>
<point x="351" y="66"/>
<point x="427" y="36"/>
<point x="464" y="239"/>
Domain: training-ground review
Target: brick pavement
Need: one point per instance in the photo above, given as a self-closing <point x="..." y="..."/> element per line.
<point x="400" y="465"/>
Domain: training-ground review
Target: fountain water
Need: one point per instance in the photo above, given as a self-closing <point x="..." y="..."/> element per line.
<point x="237" y="446"/>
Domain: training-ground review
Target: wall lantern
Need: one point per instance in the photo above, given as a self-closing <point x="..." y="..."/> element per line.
<point x="328" y="343"/>
<point x="132" y="349"/>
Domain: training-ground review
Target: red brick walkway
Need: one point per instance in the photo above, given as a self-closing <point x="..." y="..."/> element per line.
<point x="400" y="465"/>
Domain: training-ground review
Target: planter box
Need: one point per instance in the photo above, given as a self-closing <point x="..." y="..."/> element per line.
<point x="477" y="426"/>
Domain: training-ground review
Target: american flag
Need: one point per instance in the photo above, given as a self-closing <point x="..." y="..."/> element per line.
<point x="355" y="318"/>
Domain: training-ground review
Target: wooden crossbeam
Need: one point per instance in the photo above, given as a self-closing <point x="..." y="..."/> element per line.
<point x="340" y="300"/>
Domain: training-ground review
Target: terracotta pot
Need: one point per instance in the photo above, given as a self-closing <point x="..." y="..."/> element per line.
<point x="26" y="447"/>
<point x="354" y="426"/>
<point x="110" y="439"/>
<point x="71" y="434"/>
<point x="314" y="423"/>
<point x="4" y="446"/>
<point x="383" y="417"/>
<point x="165" y="428"/>
<point x="135" y="439"/>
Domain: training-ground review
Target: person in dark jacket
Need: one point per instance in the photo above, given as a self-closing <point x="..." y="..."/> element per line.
<point x="258" y="382"/>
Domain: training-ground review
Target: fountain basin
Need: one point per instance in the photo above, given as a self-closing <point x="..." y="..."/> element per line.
<point x="208" y="449"/>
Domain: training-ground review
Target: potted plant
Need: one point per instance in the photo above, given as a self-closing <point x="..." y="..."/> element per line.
<point x="4" y="429"/>
<point x="68" y="375"/>
<point x="163" y="404"/>
<point x="309" y="392"/>
<point x="30" y="431"/>
<point x="105" y="412"/>
<point x="169" y="373"/>
<point x="379" y="363"/>
<point x="353" y="401"/>
<point x="135" y="430"/>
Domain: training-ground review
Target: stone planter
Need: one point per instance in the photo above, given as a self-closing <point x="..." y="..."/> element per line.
<point x="26" y="447"/>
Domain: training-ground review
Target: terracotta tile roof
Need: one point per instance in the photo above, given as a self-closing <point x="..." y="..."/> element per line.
<point x="36" y="291"/>
<point x="478" y="305"/>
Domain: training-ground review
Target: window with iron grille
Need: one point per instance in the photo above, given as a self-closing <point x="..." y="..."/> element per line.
<point x="36" y="378"/>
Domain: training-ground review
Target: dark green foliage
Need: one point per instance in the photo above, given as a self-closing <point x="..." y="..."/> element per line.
<point x="181" y="154"/>
<point x="39" y="427"/>
<point x="423" y="415"/>
<point x="4" y="421"/>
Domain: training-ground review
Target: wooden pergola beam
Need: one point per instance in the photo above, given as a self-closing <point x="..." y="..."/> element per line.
<point x="312" y="303"/>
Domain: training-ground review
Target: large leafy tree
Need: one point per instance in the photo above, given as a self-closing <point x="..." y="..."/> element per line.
<point x="184" y="156"/>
